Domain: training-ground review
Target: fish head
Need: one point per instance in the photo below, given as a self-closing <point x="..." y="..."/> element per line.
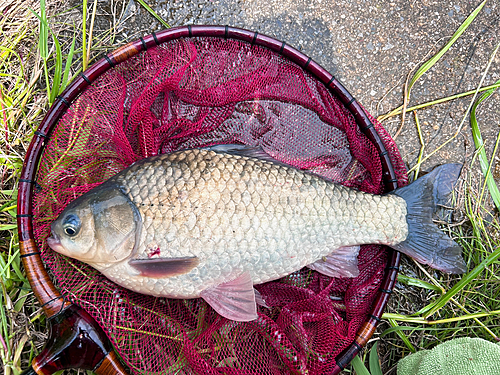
<point x="73" y="233"/>
<point x="100" y="227"/>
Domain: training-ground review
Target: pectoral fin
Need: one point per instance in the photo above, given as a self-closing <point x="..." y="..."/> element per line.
<point x="164" y="267"/>
<point x="234" y="299"/>
<point x="342" y="262"/>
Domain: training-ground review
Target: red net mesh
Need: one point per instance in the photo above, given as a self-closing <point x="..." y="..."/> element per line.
<point x="199" y="92"/>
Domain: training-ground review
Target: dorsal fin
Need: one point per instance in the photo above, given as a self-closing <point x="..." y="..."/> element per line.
<point x="247" y="151"/>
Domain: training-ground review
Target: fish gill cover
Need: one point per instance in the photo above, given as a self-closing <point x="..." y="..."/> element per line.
<point x="198" y="92"/>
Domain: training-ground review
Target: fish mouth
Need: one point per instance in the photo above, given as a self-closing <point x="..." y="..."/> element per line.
<point x="55" y="243"/>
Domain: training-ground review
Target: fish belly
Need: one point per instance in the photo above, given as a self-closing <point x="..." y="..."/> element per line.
<point x="238" y="214"/>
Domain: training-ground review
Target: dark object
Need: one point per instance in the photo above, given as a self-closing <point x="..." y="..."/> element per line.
<point x="372" y="156"/>
<point x="76" y="342"/>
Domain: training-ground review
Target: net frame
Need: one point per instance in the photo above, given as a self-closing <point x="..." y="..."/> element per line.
<point x="52" y="301"/>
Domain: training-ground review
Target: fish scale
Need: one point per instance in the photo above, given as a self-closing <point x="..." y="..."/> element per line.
<point x="211" y="223"/>
<point x="276" y="218"/>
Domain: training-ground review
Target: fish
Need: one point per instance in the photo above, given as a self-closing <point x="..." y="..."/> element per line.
<point x="213" y="222"/>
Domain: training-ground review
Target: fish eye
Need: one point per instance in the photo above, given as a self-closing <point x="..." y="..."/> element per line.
<point x="71" y="225"/>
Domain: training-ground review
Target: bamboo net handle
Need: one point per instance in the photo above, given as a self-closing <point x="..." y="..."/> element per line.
<point x="76" y="341"/>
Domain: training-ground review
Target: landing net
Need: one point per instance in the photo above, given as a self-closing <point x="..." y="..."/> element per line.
<point x="197" y="92"/>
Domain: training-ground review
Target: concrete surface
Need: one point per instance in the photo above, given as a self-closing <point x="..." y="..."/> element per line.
<point x="371" y="46"/>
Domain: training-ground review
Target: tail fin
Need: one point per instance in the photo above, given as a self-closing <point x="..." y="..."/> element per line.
<point x="426" y="242"/>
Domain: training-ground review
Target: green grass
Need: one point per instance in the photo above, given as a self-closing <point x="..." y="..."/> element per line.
<point x="153" y="13"/>
<point x="454" y="306"/>
<point x="21" y="108"/>
<point x="30" y="81"/>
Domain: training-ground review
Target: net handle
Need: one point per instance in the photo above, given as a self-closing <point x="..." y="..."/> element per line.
<point x="45" y="291"/>
<point x="64" y="348"/>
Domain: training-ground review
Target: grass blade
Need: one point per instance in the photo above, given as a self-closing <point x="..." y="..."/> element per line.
<point x="399" y="110"/>
<point x="359" y="366"/>
<point x="443" y="300"/>
<point x="404" y="318"/>
<point x="430" y="63"/>
<point x="464" y="118"/>
<point x="153" y="13"/>
<point x="422" y="146"/>
<point x="69" y="61"/>
<point x="374" y="362"/>
<point x="17" y="354"/>
<point x="44" y="34"/>
<point x="56" y="81"/>
<point x="464" y="317"/>
<point x="478" y="142"/>
<point x="84" y="37"/>
<point x="6" y="268"/>
<point x="43" y="42"/>
<point x="388" y="331"/>
<point x="4" y="321"/>
<point x="418" y="283"/>
<point x="52" y="93"/>
<point x="91" y="29"/>
<point x="402" y="336"/>
<point x="8" y="226"/>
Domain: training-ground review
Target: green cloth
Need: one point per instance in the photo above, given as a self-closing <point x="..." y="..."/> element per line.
<point x="461" y="356"/>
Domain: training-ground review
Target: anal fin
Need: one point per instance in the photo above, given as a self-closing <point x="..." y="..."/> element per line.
<point x="342" y="262"/>
<point x="259" y="300"/>
<point x="234" y="299"/>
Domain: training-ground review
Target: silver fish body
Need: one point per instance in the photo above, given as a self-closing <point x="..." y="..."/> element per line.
<point x="194" y="220"/>
<point x="238" y="214"/>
